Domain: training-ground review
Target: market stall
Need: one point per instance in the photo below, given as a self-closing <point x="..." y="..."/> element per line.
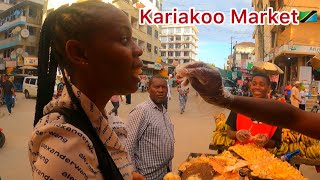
<point x="291" y="141"/>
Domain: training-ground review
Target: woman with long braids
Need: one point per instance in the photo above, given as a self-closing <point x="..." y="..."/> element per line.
<point x="91" y="42"/>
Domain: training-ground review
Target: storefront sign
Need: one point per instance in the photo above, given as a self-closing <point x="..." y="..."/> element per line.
<point x="20" y="61"/>
<point x="157" y="66"/>
<point x="297" y="49"/>
<point x="150" y="66"/>
<point x="305" y="74"/>
<point x="31" y="61"/>
<point x="11" y="64"/>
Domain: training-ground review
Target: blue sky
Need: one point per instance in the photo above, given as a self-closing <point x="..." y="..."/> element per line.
<point x="215" y="41"/>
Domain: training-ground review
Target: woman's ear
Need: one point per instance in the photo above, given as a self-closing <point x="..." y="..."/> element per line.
<point x="76" y="52"/>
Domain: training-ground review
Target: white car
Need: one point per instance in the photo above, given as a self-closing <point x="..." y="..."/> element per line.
<point x="30" y="86"/>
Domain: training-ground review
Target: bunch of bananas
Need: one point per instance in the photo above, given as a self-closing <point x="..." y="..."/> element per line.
<point x="313" y="152"/>
<point x="219" y="136"/>
<point x="292" y="141"/>
<point x="221" y="139"/>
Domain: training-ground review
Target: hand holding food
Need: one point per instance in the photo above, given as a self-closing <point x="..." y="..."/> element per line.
<point x="260" y="139"/>
<point x="243" y="135"/>
<point x="207" y="81"/>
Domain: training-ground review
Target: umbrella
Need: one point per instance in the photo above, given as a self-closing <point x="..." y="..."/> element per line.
<point x="315" y="61"/>
<point x="28" y="67"/>
<point x="266" y="67"/>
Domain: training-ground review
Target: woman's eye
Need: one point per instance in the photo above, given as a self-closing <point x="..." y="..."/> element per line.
<point x="124" y="40"/>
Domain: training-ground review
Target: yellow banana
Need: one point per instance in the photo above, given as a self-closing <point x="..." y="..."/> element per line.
<point x="290" y="147"/>
<point x="293" y="139"/>
<point x="308" y="154"/>
<point x="312" y="153"/>
<point x="220" y="140"/>
<point x="216" y="139"/>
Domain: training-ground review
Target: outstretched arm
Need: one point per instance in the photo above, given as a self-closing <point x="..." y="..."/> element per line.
<point x="208" y="82"/>
<point x="277" y="113"/>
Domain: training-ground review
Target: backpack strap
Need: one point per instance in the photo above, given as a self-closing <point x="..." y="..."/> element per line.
<point x="107" y="166"/>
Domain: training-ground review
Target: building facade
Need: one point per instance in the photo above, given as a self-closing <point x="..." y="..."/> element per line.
<point x="291" y="46"/>
<point x="146" y="36"/>
<point x="179" y="43"/>
<point x="19" y="35"/>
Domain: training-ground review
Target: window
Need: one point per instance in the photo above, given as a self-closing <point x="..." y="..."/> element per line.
<point x="186" y="60"/>
<point x="27" y="80"/>
<point x="33" y="81"/>
<point x="187" y="38"/>
<point x="244" y="56"/>
<point x="178" y="30"/>
<point x="170" y="46"/>
<point x="164" y="46"/>
<point x="187" y="30"/>
<point x="134" y="22"/>
<point x="170" y="30"/>
<point x="178" y="46"/>
<point x="7" y="52"/>
<point x="163" y="54"/>
<point x="186" y="46"/>
<point x="7" y="34"/>
<point x="171" y="39"/>
<point x="32" y="12"/>
<point x="170" y="61"/>
<point x="134" y="40"/>
<point x="178" y="53"/>
<point x="156" y="34"/>
<point x="32" y="30"/>
<point x="164" y="31"/>
<point x="186" y="53"/>
<point x="155" y="50"/>
<point x="149" y="30"/>
<point x="164" y="39"/>
<point x="149" y="47"/>
<point x="178" y="38"/>
<point x="170" y="53"/>
<point x="31" y="50"/>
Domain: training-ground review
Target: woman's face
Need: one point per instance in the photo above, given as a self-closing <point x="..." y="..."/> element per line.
<point x="113" y="58"/>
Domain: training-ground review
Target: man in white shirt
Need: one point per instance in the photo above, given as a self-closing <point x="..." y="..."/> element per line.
<point x="295" y="95"/>
<point x="303" y="95"/>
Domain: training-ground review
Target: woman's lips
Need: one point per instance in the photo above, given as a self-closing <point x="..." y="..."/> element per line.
<point x="137" y="71"/>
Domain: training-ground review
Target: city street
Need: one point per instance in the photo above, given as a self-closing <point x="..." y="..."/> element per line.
<point x="193" y="131"/>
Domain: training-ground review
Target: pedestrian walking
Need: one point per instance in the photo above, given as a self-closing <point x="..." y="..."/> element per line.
<point x="8" y="93"/>
<point x="128" y="99"/>
<point x="183" y="97"/>
<point x="295" y="97"/>
<point x="116" y="104"/>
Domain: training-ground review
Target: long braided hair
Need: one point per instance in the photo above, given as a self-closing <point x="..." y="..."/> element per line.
<point x="65" y="23"/>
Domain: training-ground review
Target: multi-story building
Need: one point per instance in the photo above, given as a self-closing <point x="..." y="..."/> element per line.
<point x="146" y="36"/>
<point x="19" y="35"/>
<point x="179" y="43"/>
<point x="291" y="46"/>
<point x="243" y="58"/>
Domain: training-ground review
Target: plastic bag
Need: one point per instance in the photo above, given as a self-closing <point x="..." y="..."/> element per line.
<point x="207" y="81"/>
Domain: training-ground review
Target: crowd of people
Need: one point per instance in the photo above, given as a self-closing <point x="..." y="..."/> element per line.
<point x="144" y="147"/>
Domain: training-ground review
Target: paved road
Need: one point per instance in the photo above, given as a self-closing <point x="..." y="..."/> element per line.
<point x="192" y="132"/>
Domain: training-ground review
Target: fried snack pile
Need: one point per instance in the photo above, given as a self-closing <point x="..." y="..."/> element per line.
<point x="264" y="165"/>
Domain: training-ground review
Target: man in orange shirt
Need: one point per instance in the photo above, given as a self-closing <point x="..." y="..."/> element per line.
<point x="247" y="130"/>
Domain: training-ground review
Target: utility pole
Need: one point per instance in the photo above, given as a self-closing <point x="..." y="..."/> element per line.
<point x="231" y="55"/>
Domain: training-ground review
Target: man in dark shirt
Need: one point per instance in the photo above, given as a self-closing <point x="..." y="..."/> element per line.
<point x="8" y="92"/>
<point x="246" y="130"/>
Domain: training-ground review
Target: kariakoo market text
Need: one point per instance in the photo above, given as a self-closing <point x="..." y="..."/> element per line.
<point x="244" y="17"/>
